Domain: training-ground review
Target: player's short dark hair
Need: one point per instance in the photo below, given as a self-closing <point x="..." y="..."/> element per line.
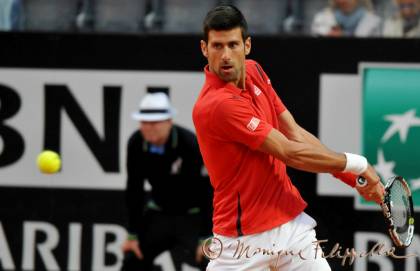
<point x="226" y="17"/>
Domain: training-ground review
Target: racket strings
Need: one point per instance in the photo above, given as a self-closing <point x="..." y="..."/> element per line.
<point x="399" y="203"/>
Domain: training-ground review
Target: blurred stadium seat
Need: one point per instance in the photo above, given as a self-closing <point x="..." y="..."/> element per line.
<point x="118" y="15"/>
<point x="185" y="16"/>
<point x="47" y="15"/>
<point x="258" y="12"/>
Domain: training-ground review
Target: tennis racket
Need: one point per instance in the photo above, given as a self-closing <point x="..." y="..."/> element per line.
<point x="398" y="210"/>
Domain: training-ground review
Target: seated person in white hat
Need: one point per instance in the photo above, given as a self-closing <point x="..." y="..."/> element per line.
<point x="168" y="156"/>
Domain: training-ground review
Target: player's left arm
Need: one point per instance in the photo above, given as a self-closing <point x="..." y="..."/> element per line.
<point x="293" y="131"/>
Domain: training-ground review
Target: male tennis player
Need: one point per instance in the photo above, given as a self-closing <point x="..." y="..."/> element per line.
<point x="247" y="137"/>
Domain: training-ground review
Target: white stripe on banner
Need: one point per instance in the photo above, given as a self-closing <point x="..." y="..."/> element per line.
<point x="339" y="124"/>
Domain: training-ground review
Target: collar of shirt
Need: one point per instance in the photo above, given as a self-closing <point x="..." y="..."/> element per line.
<point x="214" y="80"/>
<point x="157" y="149"/>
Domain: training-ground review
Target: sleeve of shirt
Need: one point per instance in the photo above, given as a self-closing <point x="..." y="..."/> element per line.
<point x="234" y="120"/>
<point x="278" y="104"/>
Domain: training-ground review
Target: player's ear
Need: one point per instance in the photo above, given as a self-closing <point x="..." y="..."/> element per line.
<point x="204" y="50"/>
<point x="247" y="46"/>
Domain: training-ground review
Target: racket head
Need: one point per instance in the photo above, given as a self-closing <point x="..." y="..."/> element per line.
<point x="398" y="211"/>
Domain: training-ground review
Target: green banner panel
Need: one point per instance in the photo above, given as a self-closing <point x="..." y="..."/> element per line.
<point x="391" y="123"/>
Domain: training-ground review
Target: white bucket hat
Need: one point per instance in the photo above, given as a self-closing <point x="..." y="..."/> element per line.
<point x="154" y="107"/>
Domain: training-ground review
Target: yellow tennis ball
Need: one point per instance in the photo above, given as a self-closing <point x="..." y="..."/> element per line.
<point x="48" y="162"/>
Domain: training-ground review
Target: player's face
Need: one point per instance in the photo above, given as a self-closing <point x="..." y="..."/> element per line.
<point x="225" y="51"/>
<point x="156" y="132"/>
<point x="409" y="8"/>
<point x="346" y="6"/>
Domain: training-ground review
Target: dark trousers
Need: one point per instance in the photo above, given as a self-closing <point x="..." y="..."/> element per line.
<point x="177" y="233"/>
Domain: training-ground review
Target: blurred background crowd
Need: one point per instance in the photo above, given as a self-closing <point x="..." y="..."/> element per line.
<point x="359" y="18"/>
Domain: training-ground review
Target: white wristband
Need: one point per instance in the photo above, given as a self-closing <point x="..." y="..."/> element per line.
<point x="356" y="164"/>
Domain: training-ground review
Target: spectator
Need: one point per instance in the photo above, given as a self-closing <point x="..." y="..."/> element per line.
<point x="405" y="23"/>
<point x="85" y="15"/>
<point x="175" y="214"/>
<point x="347" y="18"/>
<point x="11" y="17"/>
<point x="154" y="16"/>
<point x="293" y="23"/>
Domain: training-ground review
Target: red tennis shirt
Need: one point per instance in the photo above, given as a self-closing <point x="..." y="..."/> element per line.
<point x="252" y="191"/>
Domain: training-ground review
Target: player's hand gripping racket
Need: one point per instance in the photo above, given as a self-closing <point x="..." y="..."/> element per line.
<point x="398" y="211"/>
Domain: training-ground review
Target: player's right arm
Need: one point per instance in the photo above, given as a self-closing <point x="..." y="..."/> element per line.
<point x="302" y="155"/>
<point x="300" y="149"/>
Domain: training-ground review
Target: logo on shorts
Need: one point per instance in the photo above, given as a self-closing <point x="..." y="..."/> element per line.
<point x="257" y="91"/>
<point x="253" y="124"/>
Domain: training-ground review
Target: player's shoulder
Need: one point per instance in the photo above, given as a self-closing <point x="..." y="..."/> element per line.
<point x="252" y="65"/>
<point x="219" y="106"/>
<point x="255" y="71"/>
<point x="229" y="105"/>
<point x="214" y="97"/>
<point x="257" y="74"/>
<point x="249" y="61"/>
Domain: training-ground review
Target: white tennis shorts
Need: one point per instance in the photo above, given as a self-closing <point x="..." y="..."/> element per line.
<point x="289" y="247"/>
